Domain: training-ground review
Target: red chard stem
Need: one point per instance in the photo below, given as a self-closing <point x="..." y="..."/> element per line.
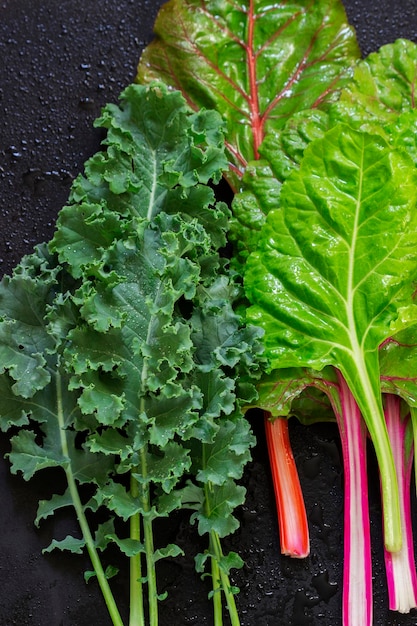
<point x="292" y="517"/>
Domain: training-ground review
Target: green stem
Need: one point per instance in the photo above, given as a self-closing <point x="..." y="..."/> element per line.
<point x="95" y="559"/>
<point x="149" y="546"/>
<point x="217" y="598"/>
<point x="82" y="520"/>
<point x="224" y="579"/>
<point x="220" y="579"/>
<point x="137" y="613"/>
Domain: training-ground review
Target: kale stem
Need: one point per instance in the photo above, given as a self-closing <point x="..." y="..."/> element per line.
<point x="218" y="574"/>
<point x="217" y="598"/>
<point x="224" y="579"/>
<point x="82" y="520"/>
<point x="137" y="614"/>
<point x="149" y="545"/>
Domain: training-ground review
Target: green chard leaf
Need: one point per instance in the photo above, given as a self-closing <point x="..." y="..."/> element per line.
<point x="280" y="154"/>
<point x="257" y="64"/>
<point x="359" y="179"/>
<point x="379" y="98"/>
<point x="329" y="282"/>
<point x="382" y="87"/>
<point x="398" y="364"/>
<point x="297" y="391"/>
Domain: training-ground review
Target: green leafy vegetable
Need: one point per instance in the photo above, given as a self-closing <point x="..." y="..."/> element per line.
<point x="279" y="155"/>
<point x="256" y="63"/>
<point x="382" y="87"/>
<point x="329" y="283"/>
<point x="120" y="349"/>
<point x="379" y="98"/>
<point x="322" y="297"/>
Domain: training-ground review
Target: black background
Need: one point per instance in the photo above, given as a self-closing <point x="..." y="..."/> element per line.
<point x="60" y="63"/>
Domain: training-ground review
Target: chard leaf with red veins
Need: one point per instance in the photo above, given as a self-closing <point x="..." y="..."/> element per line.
<point x="398" y="364"/>
<point x="256" y="62"/>
<point x="297" y="391"/>
<point x="330" y="281"/>
<point x="280" y="154"/>
<point x="380" y="98"/>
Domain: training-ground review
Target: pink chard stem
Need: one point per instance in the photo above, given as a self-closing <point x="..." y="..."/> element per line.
<point x="292" y="517"/>
<point x="400" y="566"/>
<point x="357" y="565"/>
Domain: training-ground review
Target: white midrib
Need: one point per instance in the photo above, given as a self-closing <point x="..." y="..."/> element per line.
<point x="352" y="254"/>
<point x="372" y="412"/>
<point x="149" y="216"/>
<point x="152" y="191"/>
<point x="356" y="345"/>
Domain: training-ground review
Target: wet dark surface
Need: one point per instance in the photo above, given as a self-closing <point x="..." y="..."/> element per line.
<point x="61" y="62"/>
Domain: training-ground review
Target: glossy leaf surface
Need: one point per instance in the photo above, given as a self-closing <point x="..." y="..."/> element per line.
<point x="383" y="86"/>
<point x="398" y="363"/>
<point x="257" y="63"/>
<point x="330" y="278"/>
<point x="263" y="178"/>
<point x="380" y="98"/>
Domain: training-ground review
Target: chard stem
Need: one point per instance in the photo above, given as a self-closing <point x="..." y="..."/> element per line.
<point x="292" y="516"/>
<point x="413" y="413"/>
<point x="137" y="614"/>
<point x="368" y="398"/>
<point x="82" y="520"/>
<point x="357" y="563"/>
<point x="400" y="566"/>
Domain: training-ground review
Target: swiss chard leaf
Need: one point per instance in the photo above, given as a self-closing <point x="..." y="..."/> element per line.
<point x="256" y="63"/>
<point x="382" y="87"/>
<point x="398" y="359"/>
<point x="261" y="184"/>
<point x="297" y="391"/>
<point x="329" y="283"/>
<point x="379" y="98"/>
